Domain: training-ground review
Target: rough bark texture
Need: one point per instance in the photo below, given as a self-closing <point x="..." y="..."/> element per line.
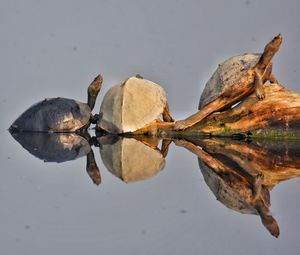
<point x="237" y="90"/>
<point x="278" y="115"/>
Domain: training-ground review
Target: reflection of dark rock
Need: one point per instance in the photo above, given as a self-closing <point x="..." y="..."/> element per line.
<point x="55" y="147"/>
<point x="60" y="147"/>
<point x="130" y="159"/>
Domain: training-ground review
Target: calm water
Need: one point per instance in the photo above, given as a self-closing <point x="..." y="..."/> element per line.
<point x="146" y="202"/>
<point x="55" y="49"/>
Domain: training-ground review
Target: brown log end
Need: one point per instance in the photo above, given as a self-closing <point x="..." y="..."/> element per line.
<point x="278" y="115"/>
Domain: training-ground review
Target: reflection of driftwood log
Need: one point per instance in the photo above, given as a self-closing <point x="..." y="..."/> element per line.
<point x="241" y="175"/>
<point x="276" y="160"/>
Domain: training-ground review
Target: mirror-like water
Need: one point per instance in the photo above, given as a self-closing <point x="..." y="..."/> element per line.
<point x="55" y="48"/>
<point x="240" y="174"/>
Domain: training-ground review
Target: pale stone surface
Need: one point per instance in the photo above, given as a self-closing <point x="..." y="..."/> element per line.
<point x="131" y="105"/>
<point x="131" y="160"/>
<point x="111" y="110"/>
<point x="227" y="72"/>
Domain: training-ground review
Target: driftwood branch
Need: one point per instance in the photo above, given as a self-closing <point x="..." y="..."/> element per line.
<point x="277" y="115"/>
<point x="242" y="107"/>
<point x="251" y="81"/>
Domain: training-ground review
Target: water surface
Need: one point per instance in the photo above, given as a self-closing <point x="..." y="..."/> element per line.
<point x="56" y="48"/>
<point x="149" y="200"/>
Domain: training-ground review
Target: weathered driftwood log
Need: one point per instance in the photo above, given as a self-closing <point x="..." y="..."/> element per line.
<point x="278" y="115"/>
<point x="260" y="110"/>
<point x="238" y="84"/>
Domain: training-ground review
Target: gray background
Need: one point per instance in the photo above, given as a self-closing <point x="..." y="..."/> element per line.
<point x="55" y="48"/>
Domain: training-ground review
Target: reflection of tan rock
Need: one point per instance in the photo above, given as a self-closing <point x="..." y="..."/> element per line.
<point x="131" y="105"/>
<point x="131" y="160"/>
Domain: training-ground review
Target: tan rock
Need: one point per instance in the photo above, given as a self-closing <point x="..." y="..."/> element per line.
<point x="131" y="105"/>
